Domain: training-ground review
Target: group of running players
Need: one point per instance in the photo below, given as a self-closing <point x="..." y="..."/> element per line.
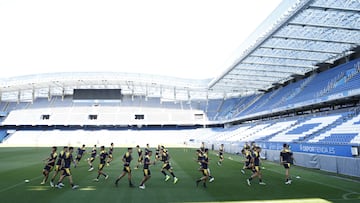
<point x="61" y="163"/>
<point x="252" y="162"/>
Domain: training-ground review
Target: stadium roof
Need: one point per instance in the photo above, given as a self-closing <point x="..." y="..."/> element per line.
<point x="292" y="41"/>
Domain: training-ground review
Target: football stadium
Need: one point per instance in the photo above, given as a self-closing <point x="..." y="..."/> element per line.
<point x="279" y="122"/>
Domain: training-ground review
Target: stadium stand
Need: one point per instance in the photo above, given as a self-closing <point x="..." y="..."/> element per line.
<point x="340" y="79"/>
<point x="304" y="129"/>
<point x="345" y="133"/>
<point x="273" y="129"/>
<point x="3" y="134"/>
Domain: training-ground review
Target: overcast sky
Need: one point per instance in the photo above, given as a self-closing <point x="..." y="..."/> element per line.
<point x="184" y="38"/>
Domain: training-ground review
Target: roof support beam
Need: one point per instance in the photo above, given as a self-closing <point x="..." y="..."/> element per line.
<point x="260" y="69"/>
<point x="264" y="68"/>
<point x="249" y="79"/>
<point x="322" y="26"/>
<point x="254" y="75"/>
<point x="334" y="8"/>
<point x="244" y="82"/>
<point x="297" y="49"/>
<point x="273" y="64"/>
<point x="239" y="86"/>
<point x="314" y="39"/>
<point x="283" y="57"/>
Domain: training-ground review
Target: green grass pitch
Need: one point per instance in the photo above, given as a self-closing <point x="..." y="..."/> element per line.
<point x="18" y="164"/>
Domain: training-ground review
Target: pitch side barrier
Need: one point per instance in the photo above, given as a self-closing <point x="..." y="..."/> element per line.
<point x="332" y="150"/>
<point x="332" y="158"/>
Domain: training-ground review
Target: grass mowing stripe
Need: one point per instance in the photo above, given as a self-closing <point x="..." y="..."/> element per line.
<point x="328" y="185"/>
<point x="18" y="184"/>
<point x="229" y="184"/>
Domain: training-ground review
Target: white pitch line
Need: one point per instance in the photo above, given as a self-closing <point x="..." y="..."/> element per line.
<point x="18" y="184"/>
<point x="328" y="185"/>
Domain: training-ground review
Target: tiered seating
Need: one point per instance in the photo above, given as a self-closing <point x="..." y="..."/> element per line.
<point x="59" y="102"/>
<point x="338" y="79"/>
<point x="353" y="83"/>
<point x="339" y="138"/>
<point x="356" y="139"/>
<point x="344" y="133"/>
<point x="100" y="137"/>
<point x="226" y="108"/>
<point x="243" y="104"/>
<point x="213" y="107"/>
<point x="198" y="104"/>
<point x="14" y="106"/>
<point x="244" y="135"/>
<point x="40" y="103"/>
<point x="229" y="134"/>
<point x="3" y="106"/>
<point x="321" y="82"/>
<point x="271" y="130"/>
<point x="171" y="105"/>
<point x="3" y="134"/>
<point x="106" y="115"/>
<point x="259" y="103"/>
<point x="304" y="129"/>
<point x="283" y="94"/>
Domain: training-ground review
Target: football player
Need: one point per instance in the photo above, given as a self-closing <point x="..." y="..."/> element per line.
<point x="50" y="162"/>
<point x="147" y="173"/>
<point x="204" y="168"/>
<point x="103" y="154"/>
<point x="110" y="154"/>
<point x="68" y="158"/>
<point x="165" y="158"/>
<point x="126" y="170"/>
<point x="221" y="154"/>
<point x="140" y="158"/>
<point x="286" y="159"/>
<point x="256" y="167"/>
<point x="59" y="165"/>
<point x="80" y="153"/>
<point x="92" y="158"/>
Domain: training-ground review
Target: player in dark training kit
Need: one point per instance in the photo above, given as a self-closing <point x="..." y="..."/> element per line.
<point x="59" y="165"/>
<point x="147" y="148"/>
<point x="256" y="167"/>
<point x="92" y="158"/>
<point x="204" y="168"/>
<point x="165" y="158"/>
<point x="286" y="159"/>
<point x="126" y="170"/>
<point x="157" y="153"/>
<point x="147" y="173"/>
<point x="110" y="154"/>
<point x="202" y="147"/>
<point x="103" y="154"/>
<point x="221" y="154"/>
<point x="50" y="162"/>
<point x="80" y="153"/>
<point x="140" y="156"/>
<point x="200" y="157"/>
<point x="68" y="158"/>
<point x="248" y="157"/>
